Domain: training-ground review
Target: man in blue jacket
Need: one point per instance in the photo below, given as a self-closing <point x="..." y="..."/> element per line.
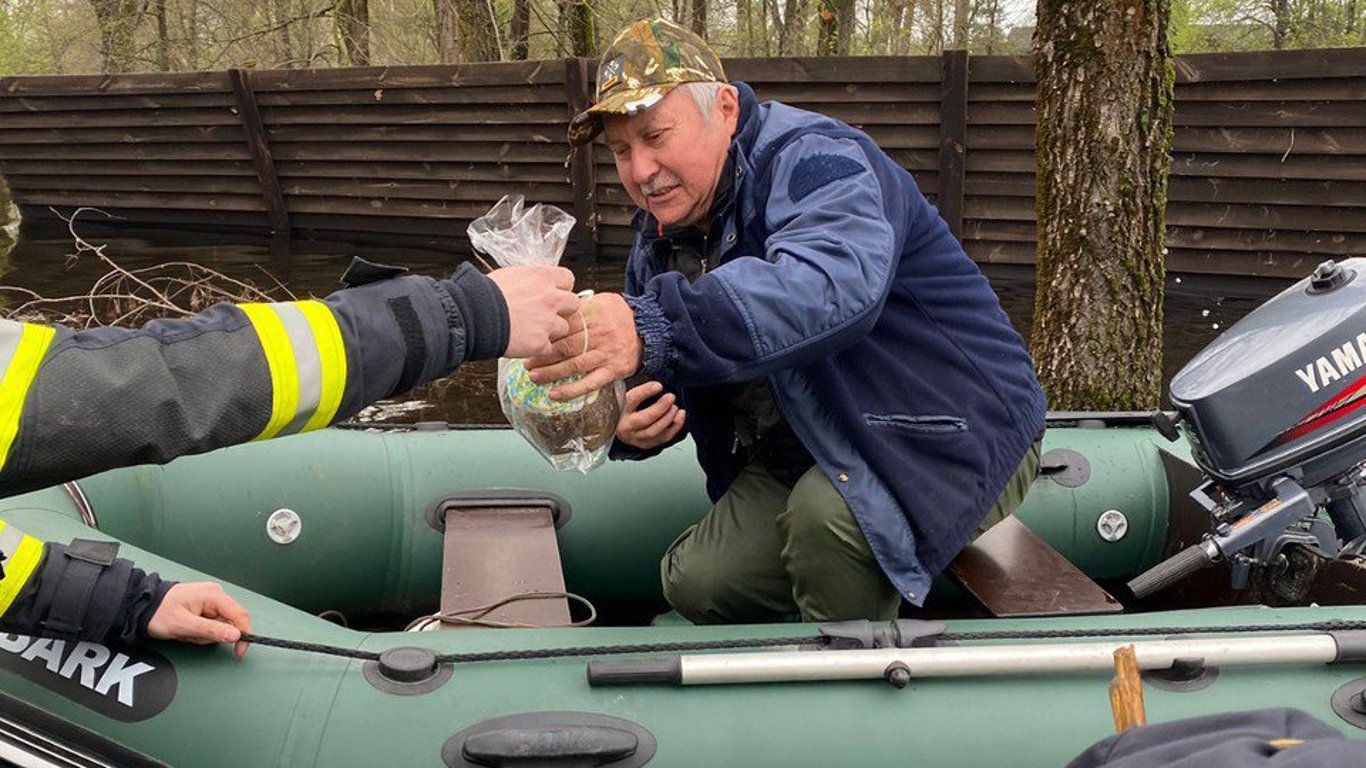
<point x="860" y="403"/>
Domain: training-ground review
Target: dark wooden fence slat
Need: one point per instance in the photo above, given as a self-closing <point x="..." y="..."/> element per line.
<point x="369" y="95"/>
<point x="1258" y="217"/>
<point x="1003" y="69"/>
<point x="123" y="118"/>
<point x="416" y="114"/>
<point x="154" y="200"/>
<point x="209" y="153"/>
<point x="260" y="151"/>
<point x="426" y="169"/>
<point x="326" y="134"/>
<point x="469" y="191"/>
<point x="1261" y="65"/>
<point x="463" y="210"/>
<point x="582" y="172"/>
<point x="819" y="93"/>
<point x="522" y="73"/>
<point x="1296" y="114"/>
<point x="203" y="134"/>
<point x="1269" y="263"/>
<point x="68" y="168"/>
<point x="470" y="151"/>
<point x="1274" y="89"/>
<point x="816" y="69"/>
<point x="208" y="185"/>
<point x="160" y="82"/>
<point x="1277" y="142"/>
<point x="953" y="135"/>
<point x="1291" y="166"/>
<point x="1195" y="238"/>
<point x="106" y="101"/>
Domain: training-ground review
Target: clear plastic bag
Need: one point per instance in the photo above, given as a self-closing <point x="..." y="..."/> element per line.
<point x="572" y="435"/>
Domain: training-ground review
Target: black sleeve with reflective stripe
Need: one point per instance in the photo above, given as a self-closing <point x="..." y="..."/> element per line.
<point x="121" y="601"/>
<point x="112" y="397"/>
<point x="410" y="330"/>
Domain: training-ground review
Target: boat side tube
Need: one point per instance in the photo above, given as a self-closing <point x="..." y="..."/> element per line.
<point x="995" y="660"/>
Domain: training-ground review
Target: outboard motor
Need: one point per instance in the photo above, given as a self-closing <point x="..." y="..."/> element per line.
<point x="1275" y="411"/>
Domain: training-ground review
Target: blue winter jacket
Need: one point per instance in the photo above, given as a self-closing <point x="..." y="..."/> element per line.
<point x="886" y="350"/>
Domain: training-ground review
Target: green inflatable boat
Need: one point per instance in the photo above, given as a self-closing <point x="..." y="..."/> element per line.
<point x="363" y="547"/>
<point x="1222" y="540"/>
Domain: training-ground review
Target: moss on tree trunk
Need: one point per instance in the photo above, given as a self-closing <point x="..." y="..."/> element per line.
<point x="1104" y="133"/>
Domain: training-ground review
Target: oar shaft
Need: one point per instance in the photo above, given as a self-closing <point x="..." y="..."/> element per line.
<point x="1001" y="659"/>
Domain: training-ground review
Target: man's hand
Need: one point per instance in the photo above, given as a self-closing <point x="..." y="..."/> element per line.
<point x="201" y="613"/>
<point x="653" y="425"/>
<point x="539" y="302"/>
<point x="612" y="349"/>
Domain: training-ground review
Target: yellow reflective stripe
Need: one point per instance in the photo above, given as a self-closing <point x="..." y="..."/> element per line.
<point x="19" y="565"/>
<point x="32" y="344"/>
<point x="284" y="377"/>
<point x="332" y="356"/>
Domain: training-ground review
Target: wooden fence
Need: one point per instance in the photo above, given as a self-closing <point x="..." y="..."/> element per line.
<point x="1268" y="159"/>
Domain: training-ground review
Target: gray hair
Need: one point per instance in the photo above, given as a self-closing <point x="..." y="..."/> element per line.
<point x="704" y="95"/>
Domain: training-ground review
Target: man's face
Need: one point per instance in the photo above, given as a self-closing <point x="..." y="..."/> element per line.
<point x="669" y="157"/>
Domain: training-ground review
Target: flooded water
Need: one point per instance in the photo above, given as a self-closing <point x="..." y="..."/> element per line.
<point x="1197" y="307"/>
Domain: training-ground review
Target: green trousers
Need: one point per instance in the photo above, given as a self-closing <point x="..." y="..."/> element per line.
<point x="768" y="552"/>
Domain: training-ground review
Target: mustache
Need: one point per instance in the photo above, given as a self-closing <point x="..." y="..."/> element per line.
<point x="659" y="183"/>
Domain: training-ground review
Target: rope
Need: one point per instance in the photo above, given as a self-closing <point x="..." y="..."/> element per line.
<point x="546" y="653"/>
<point x="480" y="611"/>
<point x="1339" y="625"/>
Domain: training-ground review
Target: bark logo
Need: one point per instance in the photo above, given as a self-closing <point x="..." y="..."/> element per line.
<point x="125" y="684"/>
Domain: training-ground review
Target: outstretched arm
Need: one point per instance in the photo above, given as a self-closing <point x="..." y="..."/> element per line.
<point x="76" y="403"/>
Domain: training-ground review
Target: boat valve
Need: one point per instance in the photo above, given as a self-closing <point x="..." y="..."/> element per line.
<point x="406" y="672"/>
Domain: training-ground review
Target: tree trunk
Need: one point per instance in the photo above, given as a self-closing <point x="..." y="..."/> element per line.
<point x="902" y="44"/>
<point x="466" y="31"/>
<point x="844" y="12"/>
<point x="936" y="25"/>
<point x="163" y="36"/>
<point x="576" y="19"/>
<point x="280" y="20"/>
<point x="995" y="35"/>
<point x="827" y="28"/>
<point x="118" y="22"/>
<point x="353" y="26"/>
<point x="697" y="20"/>
<point x="447" y="32"/>
<point x="519" y="33"/>
<point x="1280" y="23"/>
<point x="1104" y="104"/>
<point x="789" y="36"/>
<point x="961" y="19"/>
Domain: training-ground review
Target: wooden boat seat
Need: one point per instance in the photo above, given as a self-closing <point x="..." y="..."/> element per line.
<point x="492" y="553"/>
<point x="1014" y="573"/>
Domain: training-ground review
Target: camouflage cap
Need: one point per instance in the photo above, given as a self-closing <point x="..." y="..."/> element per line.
<point x="646" y="61"/>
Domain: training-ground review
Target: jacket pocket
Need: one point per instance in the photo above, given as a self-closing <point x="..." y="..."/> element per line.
<point x="921" y="425"/>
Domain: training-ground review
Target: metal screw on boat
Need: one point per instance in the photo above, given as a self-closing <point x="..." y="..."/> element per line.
<point x="283" y="526"/>
<point x="1359" y="702"/>
<point x="898" y="675"/>
<point x="1112" y="525"/>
